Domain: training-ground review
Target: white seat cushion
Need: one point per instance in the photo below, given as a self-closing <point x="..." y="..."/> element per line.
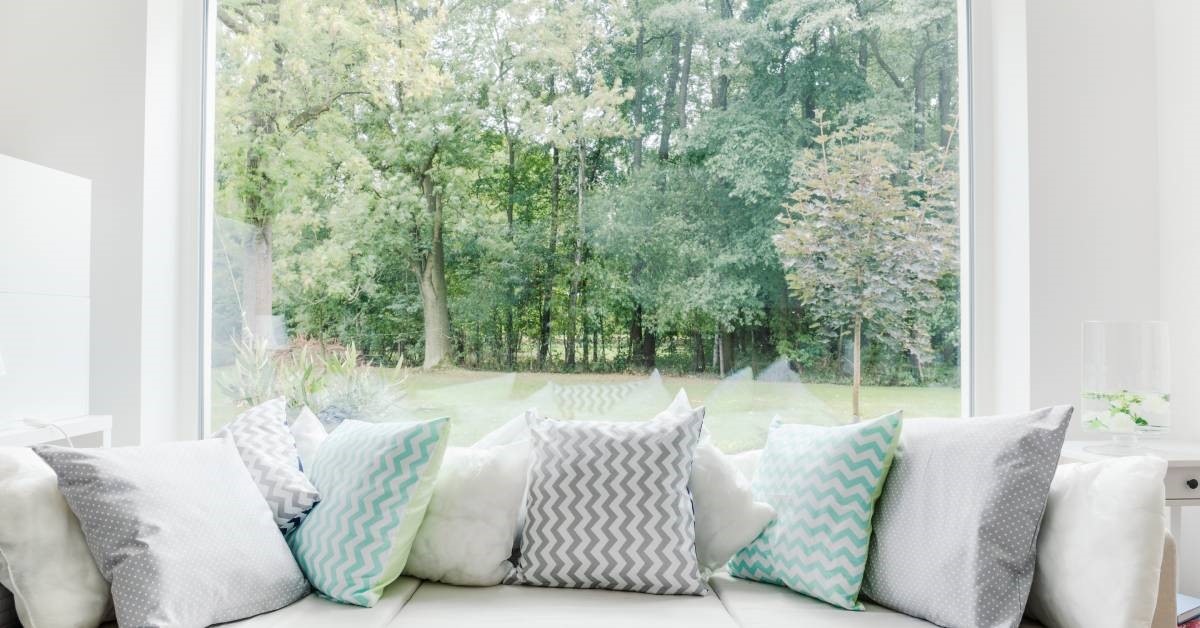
<point x="315" y="611"/>
<point x="441" y="605"/>
<point x="758" y="605"/>
<point x="411" y="602"/>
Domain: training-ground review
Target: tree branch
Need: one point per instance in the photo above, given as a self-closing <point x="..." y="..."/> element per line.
<point x="883" y="64"/>
<point x="231" y="22"/>
<point x="315" y="111"/>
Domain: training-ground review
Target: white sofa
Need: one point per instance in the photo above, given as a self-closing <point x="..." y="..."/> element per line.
<point x="733" y="603"/>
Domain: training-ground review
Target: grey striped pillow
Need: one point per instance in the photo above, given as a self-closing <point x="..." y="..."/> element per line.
<point x="607" y="506"/>
<point x="268" y="450"/>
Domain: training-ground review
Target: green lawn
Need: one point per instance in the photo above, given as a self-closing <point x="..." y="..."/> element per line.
<point x="738" y="411"/>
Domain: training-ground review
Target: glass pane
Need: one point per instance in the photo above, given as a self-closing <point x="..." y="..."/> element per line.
<point x="584" y="207"/>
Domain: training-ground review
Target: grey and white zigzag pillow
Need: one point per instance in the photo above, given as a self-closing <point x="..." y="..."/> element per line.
<point x="608" y="507"/>
<point x="268" y="449"/>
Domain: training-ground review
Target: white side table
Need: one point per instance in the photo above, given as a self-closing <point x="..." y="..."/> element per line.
<point x="1183" y="471"/>
<point x="97" y="428"/>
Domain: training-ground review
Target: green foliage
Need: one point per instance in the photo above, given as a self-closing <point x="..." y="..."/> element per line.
<point x="867" y="236"/>
<point x="633" y="155"/>
<point x="1121" y="403"/>
<point x="334" y="382"/>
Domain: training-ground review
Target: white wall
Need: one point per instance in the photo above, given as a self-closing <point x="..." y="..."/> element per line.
<point x="79" y="96"/>
<point x="1066" y="201"/>
<point x="73" y="76"/>
<point x="1092" y="180"/>
<point x="1177" y="55"/>
<point x="1086" y="197"/>
<point x="45" y="250"/>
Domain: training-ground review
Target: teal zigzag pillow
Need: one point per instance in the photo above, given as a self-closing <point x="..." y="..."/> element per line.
<point x="823" y="483"/>
<point x="376" y="480"/>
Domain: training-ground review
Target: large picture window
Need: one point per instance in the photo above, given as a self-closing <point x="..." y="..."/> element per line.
<point x="432" y="208"/>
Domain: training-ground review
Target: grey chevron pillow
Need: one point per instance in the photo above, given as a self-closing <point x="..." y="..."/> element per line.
<point x="268" y="449"/>
<point x="607" y="506"/>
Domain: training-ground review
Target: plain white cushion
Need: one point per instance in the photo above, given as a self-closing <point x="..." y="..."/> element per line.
<point x="759" y="605"/>
<point x="309" y="433"/>
<point x="469" y="527"/>
<point x="1100" y="548"/>
<point x="747" y="462"/>
<point x="44" y="559"/>
<point x="315" y="611"/>
<point x="443" y="606"/>
<point x="727" y="517"/>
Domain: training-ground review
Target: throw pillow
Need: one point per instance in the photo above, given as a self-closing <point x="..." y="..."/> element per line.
<point x="823" y="482"/>
<point x="978" y="486"/>
<point x="607" y="507"/>
<point x="44" y="559"/>
<point x="747" y="463"/>
<point x="469" y="527"/>
<point x="309" y="433"/>
<point x="269" y="451"/>
<point x="377" y="479"/>
<point x="180" y="530"/>
<point x="1108" y="516"/>
<point x="727" y="516"/>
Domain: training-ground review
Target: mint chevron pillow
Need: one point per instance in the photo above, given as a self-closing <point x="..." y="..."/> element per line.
<point x="823" y="483"/>
<point x="375" y="480"/>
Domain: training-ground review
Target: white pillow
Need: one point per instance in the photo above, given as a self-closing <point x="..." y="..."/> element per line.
<point x="469" y="528"/>
<point x="727" y="517"/>
<point x="747" y="462"/>
<point x="1099" y="551"/>
<point x="309" y="433"/>
<point x="44" y="559"/>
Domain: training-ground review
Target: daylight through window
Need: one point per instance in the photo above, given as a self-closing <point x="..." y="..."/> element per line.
<point x="472" y="208"/>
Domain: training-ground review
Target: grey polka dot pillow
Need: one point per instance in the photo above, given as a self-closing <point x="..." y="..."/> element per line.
<point x="956" y="526"/>
<point x="180" y="531"/>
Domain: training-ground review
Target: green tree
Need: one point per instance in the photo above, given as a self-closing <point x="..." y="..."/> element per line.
<point x="280" y="74"/>
<point x="865" y="239"/>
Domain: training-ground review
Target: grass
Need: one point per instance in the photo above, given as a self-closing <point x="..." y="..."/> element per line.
<point x="738" y="409"/>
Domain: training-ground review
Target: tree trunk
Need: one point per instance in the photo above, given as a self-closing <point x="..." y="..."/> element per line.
<point x="685" y="77"/>
<point x="551" y="265"/>
<point x="259" y="320"/>
<point x="726" y="352"/>
<point x="649" y="348"/>
<point x="597" y="357"/>
<point x="639" y="87"/>
<point x="698" y="352"/>
<point x="664" y="137"/>
<point x="643" y="347"/>
<point x="577" y="271"/>
<point x="510" y="347"/>
<point x="721" y="97"/>
<point x="857" y="385"/>
<point x="583" y="322"/>
<point x="431" y="276"/>
<point x="920" y="100"/>
<point x="944" y="122"/>
<point x="810" y="83"/>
